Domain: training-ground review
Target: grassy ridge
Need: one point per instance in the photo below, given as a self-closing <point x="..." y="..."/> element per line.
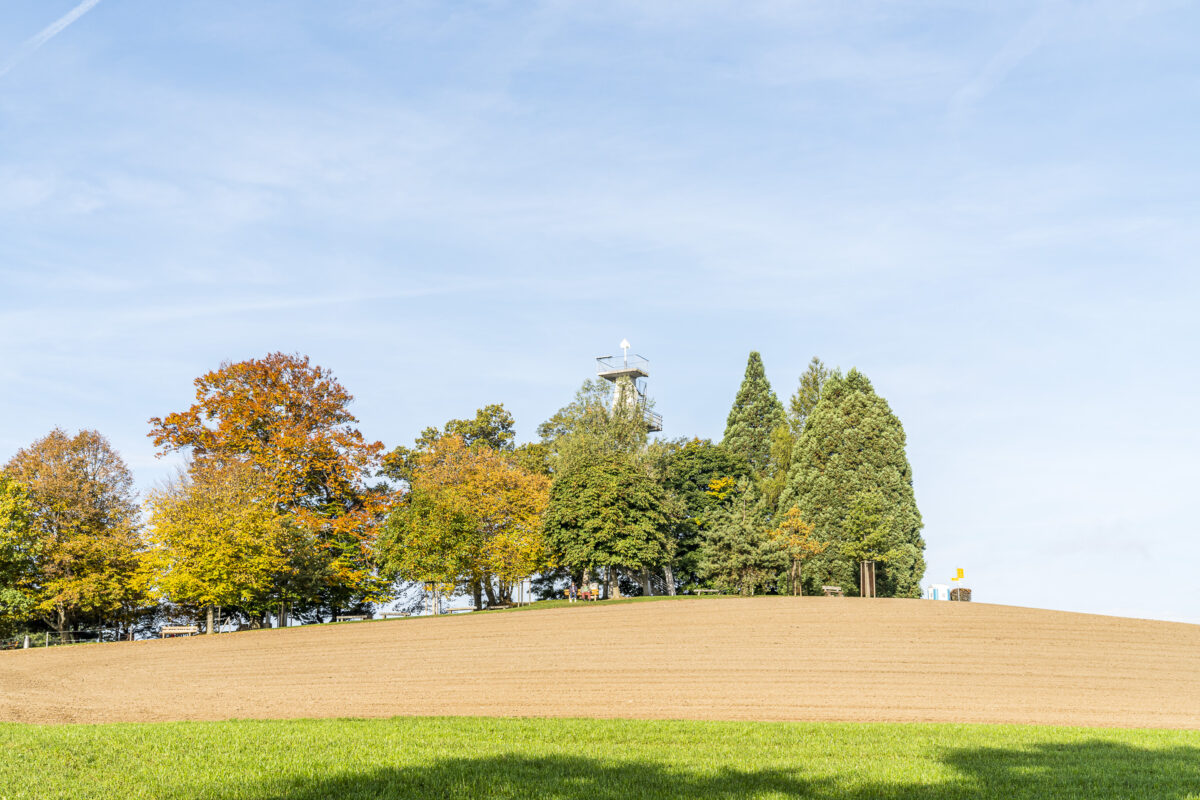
<point x="590" y="760"/>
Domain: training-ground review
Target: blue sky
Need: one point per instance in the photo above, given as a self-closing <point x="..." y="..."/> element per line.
<point x="988" y="208"/>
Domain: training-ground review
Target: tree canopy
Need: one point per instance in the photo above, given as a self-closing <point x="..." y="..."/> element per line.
<point x="290" y="420"/>
<point x="592" y="428"/>
<point x="686" y="469"/>
<point x="84" y="533"/>
<point x="491" y="426"/>
<point x="805" y="398"/>
<point x="19" y="549"/>
<point x="798" y="541"/>
<point x="218" y="540"/>
<point x="755" y="414"/>
<point x="853" y="443"/>
<point x="736" y="553"/>
<point x="472" y="514"/>
<point x="608" y="513"/>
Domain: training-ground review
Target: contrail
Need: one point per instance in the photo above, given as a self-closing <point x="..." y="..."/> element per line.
<point x="46" y="34"/>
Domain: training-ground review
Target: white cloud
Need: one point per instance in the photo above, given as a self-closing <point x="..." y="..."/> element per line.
<point x="46" y="34"/>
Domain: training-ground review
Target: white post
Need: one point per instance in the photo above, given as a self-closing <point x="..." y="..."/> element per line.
<point x="27" y="641"/>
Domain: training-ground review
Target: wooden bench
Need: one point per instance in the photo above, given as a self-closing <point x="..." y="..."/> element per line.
<point x="387" y="614"/>
<point x="352" y="618"/>
<point x="832" y="591"/>
<point x="706" y="591"/>
<point x="178" y="630"/>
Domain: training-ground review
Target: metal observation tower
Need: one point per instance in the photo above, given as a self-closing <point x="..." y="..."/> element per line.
<point x="628" y="374"/>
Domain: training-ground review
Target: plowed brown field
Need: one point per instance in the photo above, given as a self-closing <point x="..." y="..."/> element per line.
<point x="771" y="658"/>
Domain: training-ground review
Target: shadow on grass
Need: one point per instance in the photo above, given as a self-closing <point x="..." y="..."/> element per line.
<point x="559" y="777"/>
<point x="1090" y="770"/>
<point x="1095" y="769"/>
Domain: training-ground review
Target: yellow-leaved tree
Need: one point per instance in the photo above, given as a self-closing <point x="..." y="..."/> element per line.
<point x="82" y="553"/>
<point x="798" y="539"/>
<point x="472" y="517"/>
<point x="217" y="540"/>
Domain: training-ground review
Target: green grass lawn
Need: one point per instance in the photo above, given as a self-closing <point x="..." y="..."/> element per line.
<point x="590" y="759"/>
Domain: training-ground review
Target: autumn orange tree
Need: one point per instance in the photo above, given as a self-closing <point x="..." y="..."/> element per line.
<point x="472" y="516"/>
<point x="290" y="420"/>
<point x="797" y="538"/>
<point x="83" y="552"/>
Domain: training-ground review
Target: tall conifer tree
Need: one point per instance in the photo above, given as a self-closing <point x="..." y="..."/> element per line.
<point x="853" y="443"/>
<point x="755" y="414"/>
<point x="807" y="394"/>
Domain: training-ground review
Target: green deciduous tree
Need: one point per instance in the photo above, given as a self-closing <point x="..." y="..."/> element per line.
<point x="853" y="443"/>
<point x="755" y="414"/>
<point x="86" y="548"/>
<point x="591" y="429"/>
<point x="492" y="426"/>
<point x="608" y="513"/>
<point x="686" y="469"/>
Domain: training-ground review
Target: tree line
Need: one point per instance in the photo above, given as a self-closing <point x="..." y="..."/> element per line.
<point x="284" y="511"/>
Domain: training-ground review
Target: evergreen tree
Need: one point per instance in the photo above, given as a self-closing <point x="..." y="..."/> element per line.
<point x="807" y="394"/>
<point x="737" y="553"/>
<point x="756" y="413"/>
<point x="774" y="479"/>
<point x="853" y="443"/>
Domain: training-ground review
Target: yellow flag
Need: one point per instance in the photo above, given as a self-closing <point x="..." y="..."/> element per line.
<point x="959" y="576"/>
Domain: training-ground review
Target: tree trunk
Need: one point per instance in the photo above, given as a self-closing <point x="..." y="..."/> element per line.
<point x="669" y="577"/>
<point x="491" y="593"/>
<point x="866" y="579"/>
<point x="647" y="589"/>
<point x="477" y="594"/>
<point x="208" y="629"/>
<point x="615" y="575"/>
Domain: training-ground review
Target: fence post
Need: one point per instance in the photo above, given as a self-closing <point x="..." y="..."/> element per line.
<point x="47" y="638"/>
<point x="27" y="641"/>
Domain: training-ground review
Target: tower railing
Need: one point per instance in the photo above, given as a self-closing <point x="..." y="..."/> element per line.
<point x="616" y="365"/>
